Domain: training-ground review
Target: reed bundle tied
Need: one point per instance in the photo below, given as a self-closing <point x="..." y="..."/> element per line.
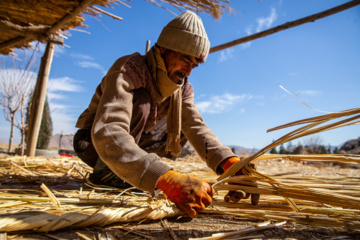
<point x="46" y="222"/>
<point x="63" y="201"/>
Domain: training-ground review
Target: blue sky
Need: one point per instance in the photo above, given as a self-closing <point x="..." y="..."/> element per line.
<point x="236" y="90"/>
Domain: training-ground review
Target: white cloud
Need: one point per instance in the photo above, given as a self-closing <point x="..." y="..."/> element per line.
<point x="65" y="84"/>
<point x="55" y="85"/>
<point x="302" y="94"/>
<point x="81" y="56"/>
<point x="223" y="103"/>
<point x="61" y="114"/>
<point x="18" y="76"/>
<point x="262" y="23"/>
<point x="86" y="61"/>
<point x="55" y="96"/>
<point x="246" y="45"/>
<point x="63" y="120"/>
<point x="89" y="64"/>
<point x="311" y="93"/>
<point x="59" y="50"/>
<point x="226" y="54"/>
<point x="56" y="106"/>
<point x="248" y="30"/>
<point x="266" y="22"/>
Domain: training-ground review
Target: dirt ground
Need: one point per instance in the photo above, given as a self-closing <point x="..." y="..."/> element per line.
<point x="200" y="227"/>
<point x="206" y="223"/>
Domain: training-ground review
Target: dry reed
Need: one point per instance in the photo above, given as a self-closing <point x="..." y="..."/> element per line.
<point x="22" y="22"/>
<point x="332" y="201"/>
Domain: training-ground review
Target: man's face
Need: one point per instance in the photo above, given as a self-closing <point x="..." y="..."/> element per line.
<point x="178" y="65"/>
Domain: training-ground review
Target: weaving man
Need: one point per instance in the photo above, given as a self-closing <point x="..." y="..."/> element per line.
<point x="143" y="110"/>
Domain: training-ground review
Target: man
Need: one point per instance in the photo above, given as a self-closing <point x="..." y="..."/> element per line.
<point x="143" y="110"/>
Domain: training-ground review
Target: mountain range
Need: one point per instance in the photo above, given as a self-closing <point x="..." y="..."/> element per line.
<point x="351" y="146"/>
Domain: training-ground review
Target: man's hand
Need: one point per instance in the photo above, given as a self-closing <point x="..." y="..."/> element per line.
<point x="236" y="196"/>
<point x="190" y="194"/>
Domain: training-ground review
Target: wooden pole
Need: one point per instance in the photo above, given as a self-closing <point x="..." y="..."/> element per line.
<point x="70" y="16"/>
<point x="147" y="46"/>
<point x="287" y="25"/>
<point x="61" y="136"/>
<point x="37" y="104"/>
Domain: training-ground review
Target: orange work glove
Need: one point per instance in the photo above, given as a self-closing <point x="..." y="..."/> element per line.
<point x="236" y="196"/>
<point x="190" y="194"/>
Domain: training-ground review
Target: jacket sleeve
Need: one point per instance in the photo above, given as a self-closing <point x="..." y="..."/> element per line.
<point x="112" y="140"/>
<point x="205" y="143"/>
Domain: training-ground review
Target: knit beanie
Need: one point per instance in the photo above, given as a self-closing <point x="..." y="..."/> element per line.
<point x="186" y="34"/>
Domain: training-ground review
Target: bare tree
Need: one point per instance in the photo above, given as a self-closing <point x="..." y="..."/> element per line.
<point x="17" y="76"/>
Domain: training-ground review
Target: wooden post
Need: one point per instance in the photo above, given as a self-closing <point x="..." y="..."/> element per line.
<point x="61" y="136"/>
<point x="147" y="46"/>
<point x="37" y="104"/>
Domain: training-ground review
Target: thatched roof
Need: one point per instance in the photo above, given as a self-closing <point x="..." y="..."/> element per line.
<point x="23" y="21"/>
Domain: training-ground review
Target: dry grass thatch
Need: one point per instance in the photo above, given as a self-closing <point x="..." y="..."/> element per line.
<point x="23" y="21"/>
<point x="288" y="194"/>
<point x="48" y="194"/>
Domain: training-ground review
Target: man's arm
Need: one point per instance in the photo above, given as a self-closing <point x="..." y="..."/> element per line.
<point x="204" y="141"/>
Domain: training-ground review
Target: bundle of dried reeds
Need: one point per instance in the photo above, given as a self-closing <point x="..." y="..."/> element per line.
<point x="270" y="186"/>
<point x="45" y="222"/>
<point x="309" y="129"/>
<point x="267" y="186"/>
<point x="292" y="196"/>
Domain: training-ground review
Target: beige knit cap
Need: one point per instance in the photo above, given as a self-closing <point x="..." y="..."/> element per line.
<point x="186" y="34"/>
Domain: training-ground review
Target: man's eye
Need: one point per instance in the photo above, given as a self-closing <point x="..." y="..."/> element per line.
<point x="186" y="60"/>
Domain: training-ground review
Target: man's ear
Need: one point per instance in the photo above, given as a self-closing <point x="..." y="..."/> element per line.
<point x="162" y="50"/>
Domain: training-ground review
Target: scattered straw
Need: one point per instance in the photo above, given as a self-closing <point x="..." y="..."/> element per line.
<point x="52" y="197"/>
<point x="238" y="234"/>
<point x="286" y="195"/>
